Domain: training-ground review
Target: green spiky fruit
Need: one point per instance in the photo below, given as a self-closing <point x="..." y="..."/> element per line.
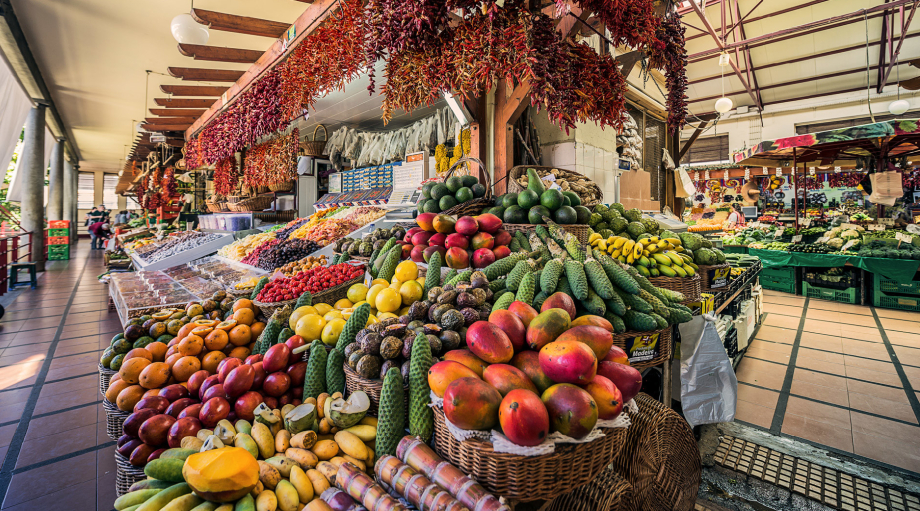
<point x="315" y="379"/>
<point x="634" y="302"/>
<point x="421" y="418"/>
<point x="391" y="421"/>
<point x="526" y="289"/>
<point x="335" y="372"/>
<point x="616" y="305"/>
<point x="517" y="274"/>
<point x="549" y="279"/>
<point x="388" y="268"/>
<point x="539" y="299"/>
<point x="598" y="278"/>
<point x="305" y="299"/>
<point x="594" y="304"/>
<point x="284" y="335"/>
<point x="505" y="265"/>
<point x="503" y="301"/>
<point x="656" y="304"/>
<point x="617" y="275"/>
<point x="661" y="322"/>
<point x="575" y="274"/>
<point x="463" y="276"/>
<point x="433" y="274"/>
<point x="497" y="285"/>
<point x="451" y="273"/>
<point x="258" y="288"/>
<point x="618" y="325"/>
<point x="522" y="239"/>
<point x="573" y="247"/>
<point x="639" y="321"/>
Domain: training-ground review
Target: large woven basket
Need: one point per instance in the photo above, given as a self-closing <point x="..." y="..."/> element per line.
<point x="354" y="383"/>
<point x="285" y="186"/>
<point x="316" y="147"/>
<point x="216" y="207"/>
<point x="257" y="203"/>
<point x="527" y="478"/>
<point x="521" y="170"/>
<point x="665" y="346"/>
<point x="660" y="458"/>
<point x="269" y="308"/>
<point x="706" y="273"/>
<point x="105" y="376"/>
<point x="607" y="492"/>
<point x="475" y="206"/>
<point x="126" y="474"/>
<point x="690" y="287"/>
<point x="114" y="419"/>
<point x="580" y="231"/>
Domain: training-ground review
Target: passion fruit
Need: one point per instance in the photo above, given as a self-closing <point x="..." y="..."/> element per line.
<point x="219" y="295"/>
<point x="172" y="327"/>
<point x="206" y="322"/>
<point x="159" y="328"/>
<point x="194" y="310"/>
<point x="202" y="331"/>
<point x="227" y="325"/>
<point x="160" y="316"/>
<point x="177" y="315"/>
<point x="209" y="305"/>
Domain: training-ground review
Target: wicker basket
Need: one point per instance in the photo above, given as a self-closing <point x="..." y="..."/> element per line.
<point x="334" y="294"/>
<point x="316" y="147"/>
<point x="233" y="199"/>
<point x="114" y="420"/>
<point x="665" y="346"/>
<point x="269" y="308"/>
<point x="520" y="170"/>
<point x="580" y="231"/>
<point x="475" y="206"/>
<point x="282" y="187"/>
<point x="527" y="478"/>
<point x="690" y="287"/>
<point x="372" y="388"/>
<point x="704" y="273"/>
<point x="216" y="207"/>
<point x="126" y="474"/>
<point x="608" y="492"/>
<point x="105" y="376"/>
<point x="660" y="458"/>
<point x="257" y="203"/>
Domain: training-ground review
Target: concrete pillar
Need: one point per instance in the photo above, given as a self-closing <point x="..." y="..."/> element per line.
<point x="78" y="221"/>
<point x="33" y="183"/>
<point x="56" y="182"/>
<point x="70" y="198"/>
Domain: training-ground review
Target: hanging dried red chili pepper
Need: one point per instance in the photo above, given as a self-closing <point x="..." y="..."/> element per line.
<point x="226" y="177"/>
<point x="667" y="53"/>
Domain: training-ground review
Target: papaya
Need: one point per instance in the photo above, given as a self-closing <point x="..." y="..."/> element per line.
<point x="222" y="475"/>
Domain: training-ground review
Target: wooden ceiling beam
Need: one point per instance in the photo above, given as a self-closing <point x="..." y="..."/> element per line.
<point x="169" y="120"/>
<point x="219" y="53"/>
<point x="192" y="74"/>
<point x="165" y="127"/>
<point x="193" y="90"/>
<point x="177" y="112"/>
<point x="239" y="24"/>
<point x="183" y="103"/>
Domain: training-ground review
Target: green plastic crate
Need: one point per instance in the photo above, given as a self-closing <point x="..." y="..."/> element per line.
<point x="785" y="273"/>
<point x="774" y="284"/>
<point x="886" y="285"/>
<point x="897" y="302"/>
<point x="735" y="249"/>
<point x="58" y="232"/>
<point x="59" y="250"/>
<point x="850" y="295"/>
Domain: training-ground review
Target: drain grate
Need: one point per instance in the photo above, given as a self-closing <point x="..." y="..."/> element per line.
<point x="826" y="485"/>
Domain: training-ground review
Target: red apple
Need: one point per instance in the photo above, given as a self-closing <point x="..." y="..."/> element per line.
<point x="483" y="240"/>
<point x="501" y="252"/>
<point x="483" y="257"/>
<point x="457" y="240"/>
<point x="502" y="238"/>
<point x="294" y="342"/>
<point x="467" y="225"/>
<point x="246" y="403"/>
<point x="457" y="258"/>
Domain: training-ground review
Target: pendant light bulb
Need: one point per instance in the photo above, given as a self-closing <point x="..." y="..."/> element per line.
<point x="188" y="31"/>
<point x="898" y="107"/>
<point x="723" y="105"/>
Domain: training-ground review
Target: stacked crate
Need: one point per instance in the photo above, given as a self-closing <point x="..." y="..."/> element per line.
<point x="58" y="240"/>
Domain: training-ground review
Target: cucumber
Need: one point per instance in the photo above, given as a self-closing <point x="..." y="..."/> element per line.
<point x="162" y="499"/>
<point x="165" y="470"/>
<point x="135" y="498"/>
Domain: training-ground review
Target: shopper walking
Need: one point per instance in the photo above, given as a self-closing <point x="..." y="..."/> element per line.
<point x="736" y="218"/>
<point x="99" y="232"/>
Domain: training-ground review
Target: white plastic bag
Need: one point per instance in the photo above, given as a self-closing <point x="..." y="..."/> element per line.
<point x="708" y="386"/>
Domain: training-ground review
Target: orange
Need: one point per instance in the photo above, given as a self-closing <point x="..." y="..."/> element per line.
<point x="244" y="316"/>
<point x="210" y="361"/>
<point x="242" y="303"/>
<point x="216" y="340"/>
<point x="256" y="328"/>
<point x="185" y="367"/>
<point x="154" y="375"/>
<point x="227" y="325"/>
<point x="240" y="335"/>
<point x="175" y="340"/>
<point x="185" y="330"/>
<point x="131" y="369"/>
<point x="191" y="345"/>
<point x="202" y="331"/>
<point x="240" y="352"/>
<point x="158" y="350"/>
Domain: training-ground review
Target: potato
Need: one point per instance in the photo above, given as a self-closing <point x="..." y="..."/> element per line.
<point x="325" y="449"/>
<point x="351" y="445"/>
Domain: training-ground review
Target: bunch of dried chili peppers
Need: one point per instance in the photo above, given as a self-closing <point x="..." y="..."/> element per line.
<point x="668" y="53"/>
<point x="272" y="162"/>
<point x="226" y="177"/>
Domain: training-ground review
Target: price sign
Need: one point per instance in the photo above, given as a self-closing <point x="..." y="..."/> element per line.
<point x="849" y="244"/>
<point x="764" y="169"/>
<point x="808" y="222"/>
<point x="906" y="238"/>
<point x="875" y="227"/>
<point x="849" y="226"/>
<point x="823" y="239"/>
<point x="886" y="221"/>
<point x="811" y="171"/>
<point x="696" y="175"/>
<point x="725" y="174"/>
<point x="779" y="171"/>
<point x="836" y="170"/>
<point x="707" y="175"/>
<point x="777" y="233"/>
<point x="718" y="277"/>
<point x="335" y="183"/>
<point x="747" y="173"/>
<point x="797" y="238"/>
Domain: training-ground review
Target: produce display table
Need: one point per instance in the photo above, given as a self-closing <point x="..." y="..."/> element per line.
<point x="901" y="270"/>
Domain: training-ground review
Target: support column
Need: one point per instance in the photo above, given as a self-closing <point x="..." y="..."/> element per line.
<point x="56" y="182"/>
<point x="70" y="198"/>
<point x="33" y="183"/>
<point x="75" y="226"/>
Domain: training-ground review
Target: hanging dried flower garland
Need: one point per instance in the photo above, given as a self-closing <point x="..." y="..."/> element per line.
<point x="272" y="162"/>
<point x="226" y="177"/>
<point x="667" y="53"/>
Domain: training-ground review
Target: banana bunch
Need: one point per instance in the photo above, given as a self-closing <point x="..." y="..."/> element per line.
<point x="652" y="257"/>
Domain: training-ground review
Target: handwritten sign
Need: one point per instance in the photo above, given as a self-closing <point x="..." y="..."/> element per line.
<point x="886" y="221"/>
<point x="779" y="171"/>
<point x="849" y="226"/>
<point x="875" y="227"/>
<point x="849" y="244"/>
<point x="811" y="171"/>
<point x="797" y="238"/>
<point x="836" y="170"/>
<point x="906" y="238"/>
<point x="822" y="239"/>
<point x="808" y="222"/>
<point x="764" y="170"/>
<point x="777" y="233"/>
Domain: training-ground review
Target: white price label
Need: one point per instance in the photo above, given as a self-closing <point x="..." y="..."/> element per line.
<point x="849" y="244"/>
<point x="696" y="175"/>
<point x="836" y="170"/>
<point x="875" y="227"/>
<point x="811" y="171"/>
<point x="808" y="222"/>
<point x="906" y="238"/>
<point x="779" y="171"/>
<point x="764" y="169"/>
<point x="725" y="174"/>
<point x="797" y="238"/>
<point x="886" y="221"/>
<point x="823" y="239"/>
<point x="707" y="175"/>
<point x="747" y="173"/>
<point x="777" y="233"/>
<point x="849" y="226"/>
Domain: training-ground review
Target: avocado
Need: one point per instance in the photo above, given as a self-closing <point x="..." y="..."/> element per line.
<point x="426" y="190"/>
<point x="508" y="200"/>
<point x="454" y="183"/>
<point x="551" y="199"/>
<point x="528" y="199"/>
<point x="565" y="215"/>
<point x="439" y="190"/>
<point x="464" y="194"/>
<point x="515" y="215"/>
<point x="479" y="190"/>
<point x="536" y="214"/>
<point x="447" y="202"/>
<point x="573" y="198"/>
<point x="469" y="181"/>
<point x="583" y="214"/>
<point x="431" y="206"/>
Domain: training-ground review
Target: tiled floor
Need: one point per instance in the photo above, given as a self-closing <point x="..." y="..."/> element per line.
<point x="837" y="375"/>
<point x="54" y="453"/>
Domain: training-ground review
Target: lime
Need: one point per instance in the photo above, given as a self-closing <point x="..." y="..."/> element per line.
<point x="426" y="190"/>
<point x="499" y="200"/>
<point x="536" y="214"/>
<point x="454" y="183"/>
<point x="439" y="190"/>
<point x="509" y="199"/>
<point x="421" y="205"/>
<point x="464" y="194"/>
<point x="566" y="201"/>
<point x="479" y="190"/>
<point x="497" y="211"/>
<point x="528" y="199"/>
<point x="469" y="181"/>
<point x="510" y="213"/>
<point x="565" y="215"/>
<point x="447" y="202"/>
<point x="551" y="199"/>
<point x="431" y="206"/>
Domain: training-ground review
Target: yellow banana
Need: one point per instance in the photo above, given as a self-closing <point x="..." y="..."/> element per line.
<point x="667" y="271"/>
<point x="673" y="241"/>
<point x="628" y="246"/>
<point x="691" y="264"/>
<point x="662" y="259"/>
<point x="594" y="236"/>
<point x="678" y="248"/>
<point x="652" y="249"/>
<point x="611" y="239"/>
<point x="685" y="257"/>
<point x="630" y="259"/>
<point x="653" y="239"/>
<point x="662" y="244"/>
<point x="674" y="257"/>
<point x="616" y="253"/>
<point x="620" y="241"/>
<point x="646" y="253"/>
<point x="602" y="244"/>
<point x="622" y="259"/>
<point x="643" y="261"/>
<point x="690" y="271"/>
<point x="637" y="251"/>
<point x="644" y="271"/>
<point x="679" y="271"/>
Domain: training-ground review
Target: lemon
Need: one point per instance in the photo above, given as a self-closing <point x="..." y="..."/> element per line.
<point x="379" y="281"/>
<point x="333" y="314"/>
<point x="410" y="292"/>
<point x="372" y="293"/>
<point x="322" y="308"/>
<point x="388" y="300"/>
<point x="310" y="327"/>
<point x="344" y="303"/>
<point x="299" y="313"/>
<point x="358" y="304"/>
<point x="407" y="270"/>
<point x="332" y="330"/>
<point x="357" y="292"/>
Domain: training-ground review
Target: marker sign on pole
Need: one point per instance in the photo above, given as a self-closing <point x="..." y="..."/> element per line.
<point x="764" y="169"/>
<point x="779" y="171"/>
<point x="797" y="238"/>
